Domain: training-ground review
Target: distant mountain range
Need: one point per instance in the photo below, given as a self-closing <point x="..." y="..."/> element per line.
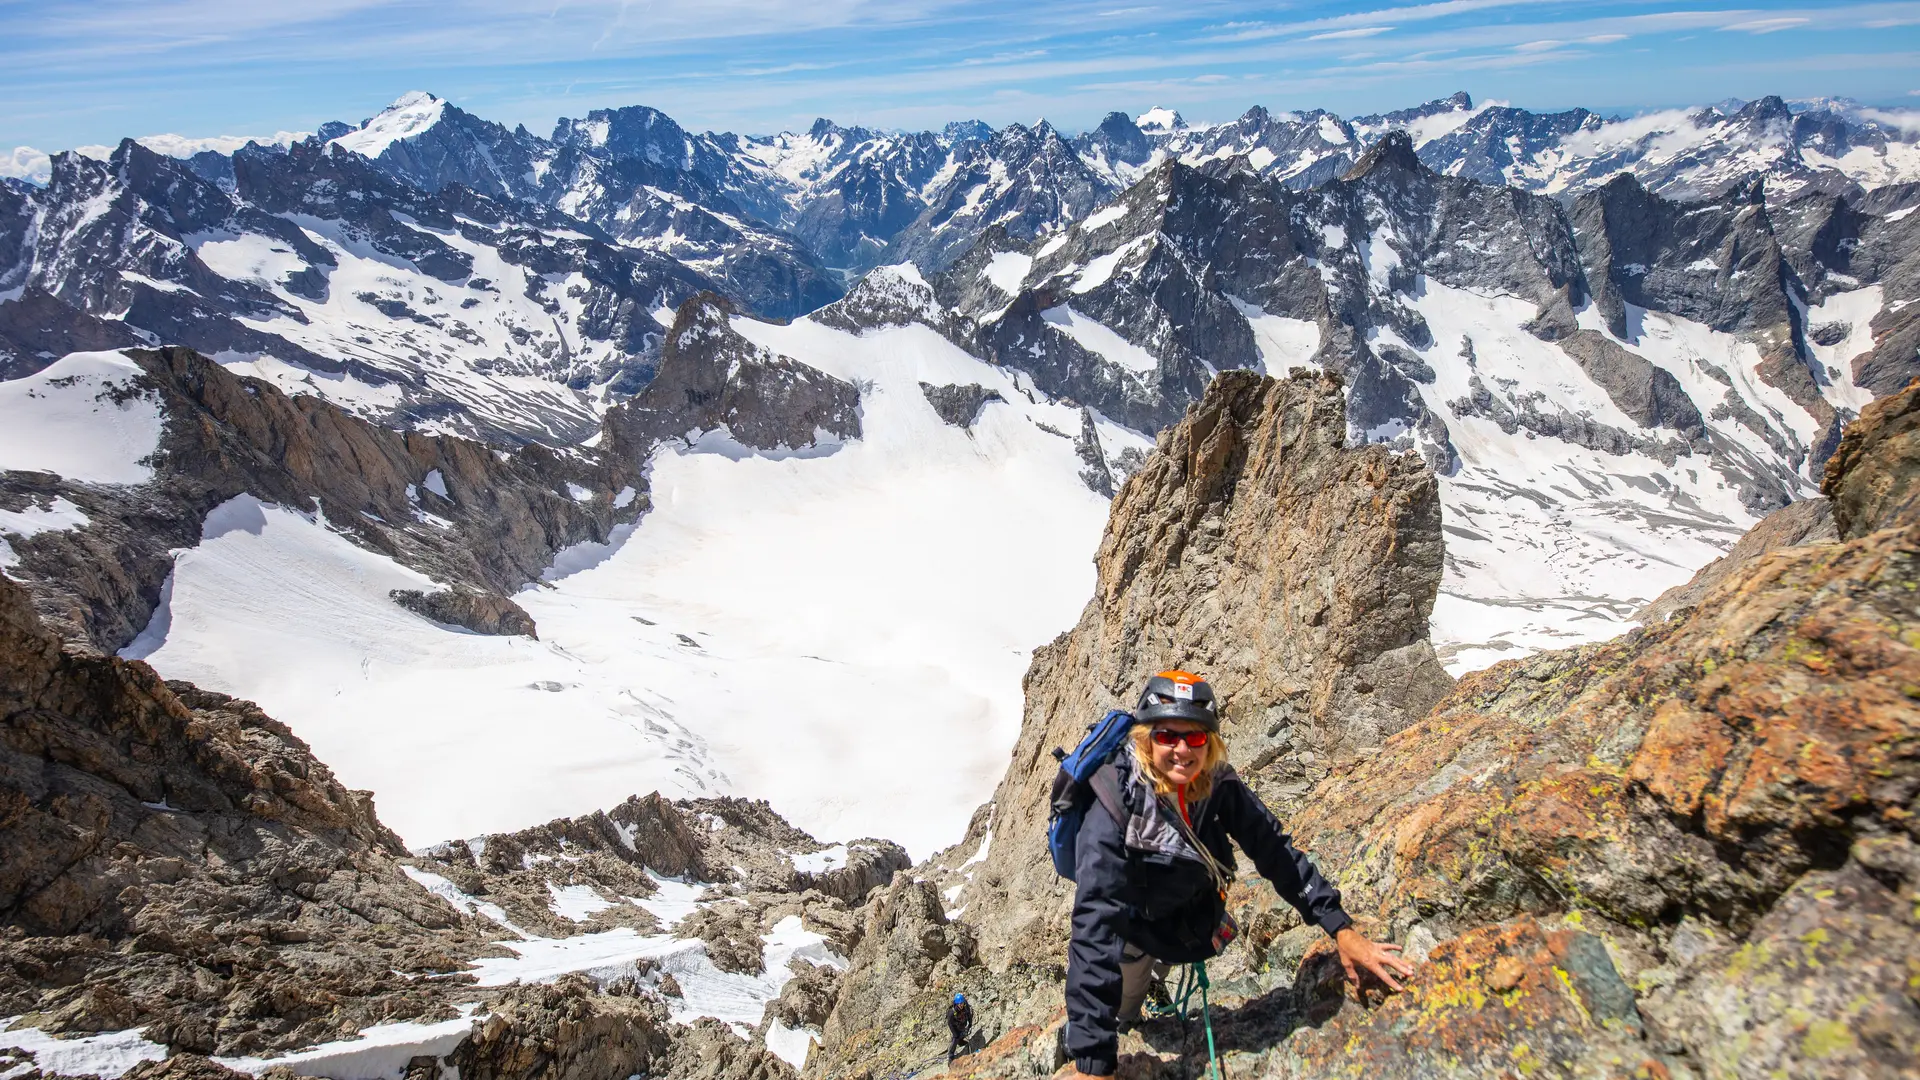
<point x="418" y="264"/>
<point x="1681" y="309"/>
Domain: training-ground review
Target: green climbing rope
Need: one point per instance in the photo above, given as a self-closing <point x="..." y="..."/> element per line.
<point x="1206" y="1015"/>
<point x="1193" y="980"/>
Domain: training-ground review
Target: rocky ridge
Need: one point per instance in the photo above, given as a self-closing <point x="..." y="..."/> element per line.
<point x="1685" y="852"/>
<point x="1297" y="571"/>
<point x="477" y="520"/>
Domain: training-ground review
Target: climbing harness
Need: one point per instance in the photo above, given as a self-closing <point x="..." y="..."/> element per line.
<point x="1193" y="979"/>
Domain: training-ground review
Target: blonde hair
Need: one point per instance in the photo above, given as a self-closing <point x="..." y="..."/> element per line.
<point x="1212" y="758"/>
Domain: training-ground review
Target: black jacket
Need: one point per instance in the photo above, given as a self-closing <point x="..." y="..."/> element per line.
<point x="959" y="1018"/>
<point x="1140" y="882"/>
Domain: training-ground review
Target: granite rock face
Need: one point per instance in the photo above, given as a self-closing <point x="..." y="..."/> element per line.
<point x="1296" y="573"/>
<point x="910" y="954"/>
<point x="1725" y="798"/>
<point x="566" y="1030"/>
<point x="959" y="404"/>
<point x="1873" y="472"/>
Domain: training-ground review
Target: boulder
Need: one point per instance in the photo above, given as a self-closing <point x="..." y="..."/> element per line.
<point x="1871" y="478"/>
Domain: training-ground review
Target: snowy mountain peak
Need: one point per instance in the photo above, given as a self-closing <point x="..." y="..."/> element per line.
<point x="634" y="130"/>
<point x="409" y="115"/>
<point x="1159" y="120"/>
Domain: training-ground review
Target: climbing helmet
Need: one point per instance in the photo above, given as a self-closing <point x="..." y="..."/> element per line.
<point x="1177" y="695"/>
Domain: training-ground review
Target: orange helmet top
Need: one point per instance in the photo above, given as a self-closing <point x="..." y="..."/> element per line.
<point x="1178" y="695"/>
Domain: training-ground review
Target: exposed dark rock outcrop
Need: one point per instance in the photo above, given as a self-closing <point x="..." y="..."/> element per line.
<point x="808" y="997"/>
<point x="1648" y="394"/>
<point x="482" y="613"/>
<point x="894" y="296"/>
<point x="567" y="1030"/>
<point x="1094" y="471"/>
<point x="712" y="377"/>
<point x="959" y="404"/>
<point x="36" y="329"/>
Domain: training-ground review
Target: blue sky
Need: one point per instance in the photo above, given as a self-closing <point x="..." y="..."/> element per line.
<point x="90" y="71"/>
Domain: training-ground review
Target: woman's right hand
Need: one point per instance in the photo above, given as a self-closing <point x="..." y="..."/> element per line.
<point x="1379" y="959"/>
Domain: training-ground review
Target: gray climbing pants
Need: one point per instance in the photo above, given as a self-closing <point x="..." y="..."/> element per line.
<point x="1137" y="973"/>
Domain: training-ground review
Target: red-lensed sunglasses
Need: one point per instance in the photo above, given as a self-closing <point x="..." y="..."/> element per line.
<point x="1168" y="737"/>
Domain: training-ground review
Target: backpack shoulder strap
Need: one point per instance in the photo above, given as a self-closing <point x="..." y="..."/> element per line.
<point x="1106" y="786"/>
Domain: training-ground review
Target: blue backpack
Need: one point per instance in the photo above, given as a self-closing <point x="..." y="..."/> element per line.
<point x="1074" y="789"/>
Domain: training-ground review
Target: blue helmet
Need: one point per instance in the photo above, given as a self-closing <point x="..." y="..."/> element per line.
<point x="959" y="999"/>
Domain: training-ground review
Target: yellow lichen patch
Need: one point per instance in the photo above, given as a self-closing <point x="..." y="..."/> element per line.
<point x="1749" y="956"/>
<point x="1812" y="940"/>
<point x="1825" y="1038"/>
<point x="1566" y="983"/>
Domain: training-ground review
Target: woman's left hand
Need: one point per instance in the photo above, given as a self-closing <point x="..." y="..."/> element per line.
<point x="1358" y="954"/>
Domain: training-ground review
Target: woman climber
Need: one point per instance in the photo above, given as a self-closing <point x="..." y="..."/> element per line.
<point x="1152" y="863"/>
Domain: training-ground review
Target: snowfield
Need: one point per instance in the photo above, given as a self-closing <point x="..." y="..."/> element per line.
<point x="82" y="418"/>
<point x="772" y="628"/>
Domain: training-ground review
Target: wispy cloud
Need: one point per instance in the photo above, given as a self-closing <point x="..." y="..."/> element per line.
<point x="1005" y="57"/>
<point x="93" y="70"/>
<point x="1358" y="32"/>
<point x="1769" y="26"/>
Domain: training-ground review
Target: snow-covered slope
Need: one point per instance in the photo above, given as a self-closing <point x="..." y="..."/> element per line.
<point x="777" y="624"/>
